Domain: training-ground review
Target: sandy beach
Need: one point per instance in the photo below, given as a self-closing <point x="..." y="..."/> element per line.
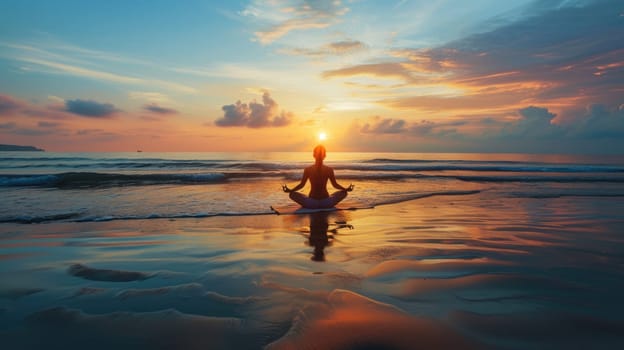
<point x="469" y="271"/>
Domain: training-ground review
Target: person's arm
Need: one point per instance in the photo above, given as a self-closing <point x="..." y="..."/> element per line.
<point x="304" y="179"/>
<point x="336" y="185"/>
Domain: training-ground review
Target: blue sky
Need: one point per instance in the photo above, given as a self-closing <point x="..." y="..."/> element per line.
<point x="418" y="76"/>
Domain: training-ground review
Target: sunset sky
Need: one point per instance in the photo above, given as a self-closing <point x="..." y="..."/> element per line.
<point x="409" y="76"/>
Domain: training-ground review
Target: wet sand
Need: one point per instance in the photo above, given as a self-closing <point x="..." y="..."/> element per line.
<point x="470" y="271"/>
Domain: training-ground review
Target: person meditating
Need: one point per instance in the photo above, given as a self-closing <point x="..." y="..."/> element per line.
<point x="318" y="174"/>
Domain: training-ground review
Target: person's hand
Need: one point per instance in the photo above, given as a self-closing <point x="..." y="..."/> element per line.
<point x="286" y="189"/>
<point x="350" y="188"/>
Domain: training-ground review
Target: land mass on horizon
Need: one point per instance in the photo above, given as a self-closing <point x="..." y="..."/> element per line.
<point x="5" y="148"/>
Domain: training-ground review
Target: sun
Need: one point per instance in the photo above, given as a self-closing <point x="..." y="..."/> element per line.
<point x="322" y="136"/>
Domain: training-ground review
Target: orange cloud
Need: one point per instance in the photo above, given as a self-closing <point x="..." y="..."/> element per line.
<point x="290" y="16"/>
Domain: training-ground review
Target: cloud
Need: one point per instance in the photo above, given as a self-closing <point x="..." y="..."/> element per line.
<point x="76" y="61"/>
<point x="84" y="72"/>
<point x="384" y="69"/>
<point x="13" y="107"/>
<point x="564" y="56"/>
<point x="269" y="36"/>
<point x="288" y="16"/>
<point x="346" y="46"/>
<point x="385" y="126"/>
<point x="254" y="114"/>
<point x="388" y="126"/>
<point x="34" y="131"/>
<point x="338" y="48"/>
<point x="596" y="129"/>
<point x="87" y="131"/>
<point x="90" y="109"/>
<point x="44" y="124"/>
<point x="99" y="134"/>
<point x="150" y="96"/>
<point x="159" y="110"/>
<point x="421" y="128"/>
<point x="534" y="122"/>
<point x="9" y="125"/>
<point x="599" y="122"/>
<point x="8" y="104"/>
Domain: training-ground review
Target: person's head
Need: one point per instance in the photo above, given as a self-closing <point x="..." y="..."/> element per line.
<point x="319" y="152"/>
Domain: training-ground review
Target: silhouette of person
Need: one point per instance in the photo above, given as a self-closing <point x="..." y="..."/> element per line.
<point x="318" y="174"/>
<point x="319" y="237"/>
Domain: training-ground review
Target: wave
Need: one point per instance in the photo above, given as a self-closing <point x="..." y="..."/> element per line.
<point x="474" y="167"/>
<point x="392" y="160"/>
<point x="415" y="196"/>
<point x="91" y="180"/>
<point x="569" y="194"/>
<point x="143" y="164"/>
<point x="104" y="160"/>
<point x="40" y="159"/>
<point x="484" y="167"/>
<point x="400" y="176"/>
<point x="371" y="165"/>
<point x="79" y="217"/>
<point x="534" y="179"/>
<point x="85" y="217"/>
<point x="78" y="180"/>
<point x="38" y="219"/>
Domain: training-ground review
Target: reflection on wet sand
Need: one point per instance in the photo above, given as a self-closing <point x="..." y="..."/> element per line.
<point x="319" y="237"/>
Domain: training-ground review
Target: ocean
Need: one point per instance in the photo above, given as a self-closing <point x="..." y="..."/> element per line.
<point x="49" y="187"/>
<point x="182" y="251"/>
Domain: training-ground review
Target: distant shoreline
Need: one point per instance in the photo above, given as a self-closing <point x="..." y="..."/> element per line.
<point x="10" y="148"/>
